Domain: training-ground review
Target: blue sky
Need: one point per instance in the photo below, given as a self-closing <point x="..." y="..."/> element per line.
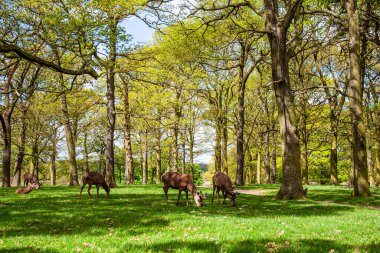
<point x="138" y="29"/>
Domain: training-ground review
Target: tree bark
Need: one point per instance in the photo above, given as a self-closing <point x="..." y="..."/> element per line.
<point x="145" y="158"/>
<point x="369" y="160"/>
<point x="111" y="113"/>
<point x="129" y="171"/>
<point x="274" y="164"/>
<point x="361" y="184"/>
<point x="191" y="146"/>
<point x="267" y="158"/>
<point x="53" y="165"/>
<point x="258" y="168"/>
<point x="241" y="120"/>
<point x="377" y="152"/>
<point x="218" y="145"/>
<point x="69" y="140"/>
<point x="5" y="119"/>
<point x="85" y="149"/>
<point x="224" y="144"/>
<point x="159" y="163"/>
<point x="291" y="187"/>
<point x="184" y="152"/>
<point x="35" y="158"/>
<point x="7" y="48"/>
<point x="21" y="150"/>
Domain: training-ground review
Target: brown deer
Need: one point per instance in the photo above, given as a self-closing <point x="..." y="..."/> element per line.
<point x="30" y="178"/>
<point x="182" y="182"/>
<point x="221" y="181"/>
<point x="27" y="189"/>
<point x="90" y="178"/>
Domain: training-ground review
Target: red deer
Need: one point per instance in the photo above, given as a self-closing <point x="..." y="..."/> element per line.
<point x="182" y="182"/>
<point x="27" y="189"/>
<point x="30" y="178"/>
<point x="221" y="181"/>
<point x="97" y="179"/>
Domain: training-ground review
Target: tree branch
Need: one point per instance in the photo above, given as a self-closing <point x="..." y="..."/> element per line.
<point x="8" y="48"/>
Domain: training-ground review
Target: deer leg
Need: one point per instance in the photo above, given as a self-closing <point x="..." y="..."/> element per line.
<point x="187" y="198"/>
<point x="217" y="194"/>
<point x="97" y="190"/>
<point x="224" y="196"/>
<point x="89" y="189"/>
<point x="166" y="193"/>
<point x="82" y="189"/>
<point x="213" y="191"/>
<point x="179" y="195"/>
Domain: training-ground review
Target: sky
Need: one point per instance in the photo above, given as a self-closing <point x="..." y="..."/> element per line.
<point x="138" y="29"/>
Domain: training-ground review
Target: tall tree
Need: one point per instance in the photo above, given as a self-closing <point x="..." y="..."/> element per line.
<point x="291" y="186"/>
<point x="5" y="119"/>
<point x="361" y="184"/>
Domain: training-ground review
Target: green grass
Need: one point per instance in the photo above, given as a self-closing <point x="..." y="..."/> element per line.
<point x="136" y="219"/>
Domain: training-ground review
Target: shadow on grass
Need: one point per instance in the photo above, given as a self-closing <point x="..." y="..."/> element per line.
<point x="27" y="250"/>
<point x="248" y="246"/>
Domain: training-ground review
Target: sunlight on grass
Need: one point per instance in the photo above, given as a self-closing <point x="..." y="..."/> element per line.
<point x="136" y="219"/>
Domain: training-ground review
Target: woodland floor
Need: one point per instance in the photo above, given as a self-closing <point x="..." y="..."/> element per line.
<point x="136" y="219"/>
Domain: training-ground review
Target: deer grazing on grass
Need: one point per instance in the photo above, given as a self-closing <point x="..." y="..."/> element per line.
<point x="30" y="178"/>
<point x="27" y="189"/>
<point x="221" y="181"/>
<point x="90" y="178"/>
<point x="182" y="182"/>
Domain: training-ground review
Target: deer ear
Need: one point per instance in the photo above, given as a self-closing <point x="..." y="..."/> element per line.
<point x="205" y="196"/>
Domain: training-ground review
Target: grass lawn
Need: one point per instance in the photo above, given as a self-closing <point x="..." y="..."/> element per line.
<point x="136" y="219"/>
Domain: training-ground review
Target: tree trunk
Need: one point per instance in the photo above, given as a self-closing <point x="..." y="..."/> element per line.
<point x="191" y="149"/>
<point x="258" y="168"/>
<point x="240" y="126"/>
<point x="218" y="146"/>
<point x="361" y="184"/>
<point x="69" y="140"/>
<point x="111" y="114"/>
<point x="85" y="150"/>
<point x="144" y="146"/>
<point x="291" y="187"/>
<point x="169" y="163"/>
<point x="175" y="150"/>
<point x="5" y="119"/>
<point x="129" y="171"/>
<point x="250" y="175"/>
<point x="224" y="145"/>
<point x="304" y="139"/>
<point x="21" y="150"/>
<point x="370" y="161"/>
<point x="53" y="165"/>
<point x="267" y="158"/>
<point x="377" y="152"/>
<point x="159" y="163"/>
<point x="305" y="163"/>
<point x="334" y="149"/>
<point x="184" y="152"/>
<point x="35" y="158"/>
<point x="274" y="164"/>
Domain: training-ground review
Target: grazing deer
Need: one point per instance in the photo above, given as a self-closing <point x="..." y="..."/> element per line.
<point x="30" y="178"/>
<point x="221" y="181"/>
<point x="182" y="182"/>
<point x="27" y="189"/>
<point x="97" y="179"/>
